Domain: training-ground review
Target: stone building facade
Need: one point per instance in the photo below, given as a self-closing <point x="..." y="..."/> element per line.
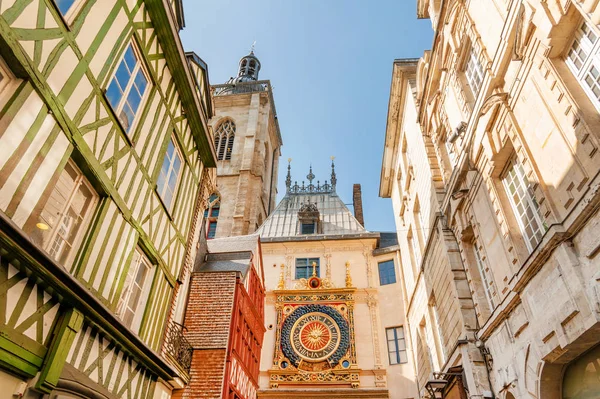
<point x="333" y="312"/>
<point x="247" y="142"/>
<point x="491" y="162"/>
<point x="106" y="160"/>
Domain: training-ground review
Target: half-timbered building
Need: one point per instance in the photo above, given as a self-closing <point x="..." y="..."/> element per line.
<point x="106" y="158"/>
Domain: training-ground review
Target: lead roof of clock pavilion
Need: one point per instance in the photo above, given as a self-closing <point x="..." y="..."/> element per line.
<point x="335" y="219"/>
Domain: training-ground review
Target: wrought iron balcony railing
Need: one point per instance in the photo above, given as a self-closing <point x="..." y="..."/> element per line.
<point x="178" y="346"/>
<point x="241" y="87"/>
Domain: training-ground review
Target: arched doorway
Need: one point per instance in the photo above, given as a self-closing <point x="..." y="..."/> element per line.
<point x="582" y="376"/>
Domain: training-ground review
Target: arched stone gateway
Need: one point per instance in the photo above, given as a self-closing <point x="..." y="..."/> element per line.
<point x="581" y="379"/>
<point x="577" y="379"/>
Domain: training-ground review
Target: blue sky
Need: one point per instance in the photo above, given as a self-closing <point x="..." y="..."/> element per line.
<point x="330" y="64"/>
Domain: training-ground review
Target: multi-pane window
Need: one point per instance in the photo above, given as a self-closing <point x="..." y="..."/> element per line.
<point x="473" y="71"/>
<point x="307" y="228"/>
<point x="224" y="137"/>
<point x="396" y="345"/>
<point x="523" y="203"/>
<point x="135" y="291"/>
<point x="304" y="267"/>
<point x="212" y="229"/>
<point x="169" y="174"/>
<point x="485" y="279"/>
<point x="387" y="273"/>
<point x="64" y="6"/>
<point x="211" y="215"/>
<point x="583" y="59"/>
<point x="127" y="87"/>
<point x="60" y="223"/>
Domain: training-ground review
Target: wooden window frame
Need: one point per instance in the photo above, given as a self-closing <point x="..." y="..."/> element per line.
<point x="209" y="217"/>
<point x="528" y="200"/>
<point x="308" y="267"/>
<point x="72" y="12"/>
<point x="396" y="350"/>
<point x="473" y="68"/>
<point x="381" y="282"/>
<point x="590" y="61"/>
<point x="126" y="291"/>
<point x="140" y="65"/>
<point x="160" y="192"/>
<point x="54" y="232"/>
<point x="486" y="278"/>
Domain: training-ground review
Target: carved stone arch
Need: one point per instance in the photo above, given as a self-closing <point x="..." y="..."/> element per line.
<point x="492" y="101"/>
<point x="523" y="31"/>
<point x="422" y="70"/>
<point x="531" y="369"/>
<point x="550" y="381"/>
<point x="452" y="15"/>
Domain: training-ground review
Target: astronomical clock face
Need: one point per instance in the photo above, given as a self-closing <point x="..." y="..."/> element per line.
<point x="315" y="336"/>
<point x="315" y="333"/>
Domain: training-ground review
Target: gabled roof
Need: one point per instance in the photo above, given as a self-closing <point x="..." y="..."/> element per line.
<point x="335" y="217"/>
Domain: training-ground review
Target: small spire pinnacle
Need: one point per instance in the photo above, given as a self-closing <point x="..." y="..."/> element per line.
<point x="333" y="177"/>
<point x="314" y="266"/>
<point x="252" y="47"/>
<point x="288" y="179"/>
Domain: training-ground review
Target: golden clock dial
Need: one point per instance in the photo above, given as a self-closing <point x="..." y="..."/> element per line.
<point x="315" y="336"/>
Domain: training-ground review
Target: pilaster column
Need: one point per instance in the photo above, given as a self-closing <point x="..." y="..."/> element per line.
<point x="372" y="302"/>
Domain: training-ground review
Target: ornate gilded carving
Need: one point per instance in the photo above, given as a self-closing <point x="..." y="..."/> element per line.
<point x="336" y="335"/>
<point x="327" y="257"/>
<point x="281" y="284"/>
<point x="315" y="341"/>
<point x="348" y="277"/>
<point x="351" y="378"/>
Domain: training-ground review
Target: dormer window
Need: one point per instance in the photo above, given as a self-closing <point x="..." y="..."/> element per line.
<point x="308" y="216"/>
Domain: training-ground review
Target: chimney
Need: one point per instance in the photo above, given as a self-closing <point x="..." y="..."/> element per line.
<point x="358" y="209"/>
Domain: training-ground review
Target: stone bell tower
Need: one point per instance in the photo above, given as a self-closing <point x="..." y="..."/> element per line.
<point x="247" y="141"/>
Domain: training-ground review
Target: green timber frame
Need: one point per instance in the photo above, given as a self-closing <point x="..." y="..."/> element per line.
<point x="58" y="323"/>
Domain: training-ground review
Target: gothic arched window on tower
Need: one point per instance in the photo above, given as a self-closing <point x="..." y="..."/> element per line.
<point x="211" y="215"/>
<point x="224" y="137"/>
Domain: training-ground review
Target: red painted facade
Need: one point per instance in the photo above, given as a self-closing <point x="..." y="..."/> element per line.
<point x="245" y="339"/>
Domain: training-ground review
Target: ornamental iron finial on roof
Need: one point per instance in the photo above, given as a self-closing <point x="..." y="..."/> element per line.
<point x="333" y="176"/>
<point x="310" y="176"/>
<point x="311" y="188"/>
<point x="288" y="179"/>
